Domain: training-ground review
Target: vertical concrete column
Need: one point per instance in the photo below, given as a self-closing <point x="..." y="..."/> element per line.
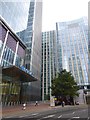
<point x="16" y="53"/>
<point x="4" y="44"/>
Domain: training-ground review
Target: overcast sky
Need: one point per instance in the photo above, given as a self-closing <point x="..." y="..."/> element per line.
<point x="62" y="10"/>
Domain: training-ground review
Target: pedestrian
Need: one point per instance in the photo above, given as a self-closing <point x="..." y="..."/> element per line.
<point x="24" y="106"/>
<point x="63" y="103"/>
<point x="36" y="103"/>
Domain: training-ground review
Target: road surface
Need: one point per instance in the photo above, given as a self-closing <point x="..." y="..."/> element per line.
<point x="55" y="114"/>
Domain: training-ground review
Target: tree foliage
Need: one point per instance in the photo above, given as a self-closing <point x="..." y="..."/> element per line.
<point x="64" y="85"/>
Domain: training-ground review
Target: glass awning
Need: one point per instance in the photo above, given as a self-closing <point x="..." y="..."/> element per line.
<point x="13" y="73"/>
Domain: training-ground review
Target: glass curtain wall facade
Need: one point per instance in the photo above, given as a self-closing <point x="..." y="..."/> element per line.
<point x="26" y="17"/>
<point x="89" y="42"/>
<point x="88" y="91"/>
<point x="48" y="71"/>
<point x="72" y="37"/>
<point x="12" y="49"/>
<point x="12" y="52"/>
<point x="15" y="13"/>
<point x="32" y="39"/>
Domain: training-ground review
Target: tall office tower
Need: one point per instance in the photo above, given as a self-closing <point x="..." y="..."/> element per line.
<point x="32" y="38"/>
<point x="72" y="37"/>
<point x="48" y="71"/>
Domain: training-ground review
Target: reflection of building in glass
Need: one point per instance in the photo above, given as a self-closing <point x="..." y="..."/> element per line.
<point x="72" y="36"/>
<point x="15" y="13"/>
<point x="48" y="71"/>
<point x="14" y="77"/>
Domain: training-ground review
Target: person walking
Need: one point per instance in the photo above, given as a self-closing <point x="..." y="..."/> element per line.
<point x="63" y="103"/>
<point x="24" y="106"/>
<point x="36" y="103"/>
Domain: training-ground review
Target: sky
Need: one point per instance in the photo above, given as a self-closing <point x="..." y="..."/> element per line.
<point x="61" y="11"/>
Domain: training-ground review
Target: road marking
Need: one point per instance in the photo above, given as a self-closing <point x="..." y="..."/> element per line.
<point x="76" y="117"/>
<point x="60" y="116"/>
<point x="28" y="115"/>
<point x="35" y="114"/>
<point x="73" y="112"/>
<point x="49" y="116"/>
<point x="23" y="116"/>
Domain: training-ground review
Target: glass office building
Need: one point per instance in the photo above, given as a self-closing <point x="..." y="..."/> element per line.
<point x="72" y="36"/>
<point x="32" y="39"/>
<point x="48" y="71"/>
<point x="15" y="76"/>
<point x="26" y="20"/>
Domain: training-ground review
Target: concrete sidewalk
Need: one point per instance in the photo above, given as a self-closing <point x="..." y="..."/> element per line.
<point x="31" y="108"/>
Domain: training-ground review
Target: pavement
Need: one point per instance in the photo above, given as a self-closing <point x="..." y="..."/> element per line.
<point x="31" y="108"/>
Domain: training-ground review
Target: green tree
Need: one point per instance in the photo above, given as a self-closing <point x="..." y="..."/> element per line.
<point x="64" y="85"/>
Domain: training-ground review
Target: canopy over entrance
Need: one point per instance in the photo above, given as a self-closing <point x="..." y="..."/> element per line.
<point x="14" y="73"/>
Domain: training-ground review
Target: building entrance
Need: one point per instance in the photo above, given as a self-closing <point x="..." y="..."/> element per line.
<point x="14" y="85"/>
<point x="10" y="93"/>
